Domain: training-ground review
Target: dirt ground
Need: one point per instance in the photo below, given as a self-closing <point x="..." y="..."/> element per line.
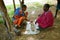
<point x="47" y="34"/>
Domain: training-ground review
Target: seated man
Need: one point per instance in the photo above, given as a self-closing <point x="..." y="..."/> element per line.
<point x="20" y="15"/>
<point x="46" y="19"/>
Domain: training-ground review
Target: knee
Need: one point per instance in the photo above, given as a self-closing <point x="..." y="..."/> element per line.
<point x="22" y="18"/>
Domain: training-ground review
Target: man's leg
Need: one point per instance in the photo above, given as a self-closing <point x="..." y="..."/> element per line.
<point x="15" y="21"/>
<point x="20" y="21"/>
<point x="56" y="13"/>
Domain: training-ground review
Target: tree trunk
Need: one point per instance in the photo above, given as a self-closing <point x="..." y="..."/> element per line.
<point x="6" y="16"/>
<point x="14" y="5"/>
<point x="21" y="3"/>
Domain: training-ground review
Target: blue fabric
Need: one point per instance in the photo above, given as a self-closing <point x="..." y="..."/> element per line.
<point x="17" y="12"/>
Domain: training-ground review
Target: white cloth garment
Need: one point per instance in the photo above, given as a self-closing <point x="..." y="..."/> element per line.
<point x="31" y="28"/>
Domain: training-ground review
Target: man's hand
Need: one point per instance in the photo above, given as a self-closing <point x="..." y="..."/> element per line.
<point x="26" y="14"/>
<point x="20" y="11"/>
